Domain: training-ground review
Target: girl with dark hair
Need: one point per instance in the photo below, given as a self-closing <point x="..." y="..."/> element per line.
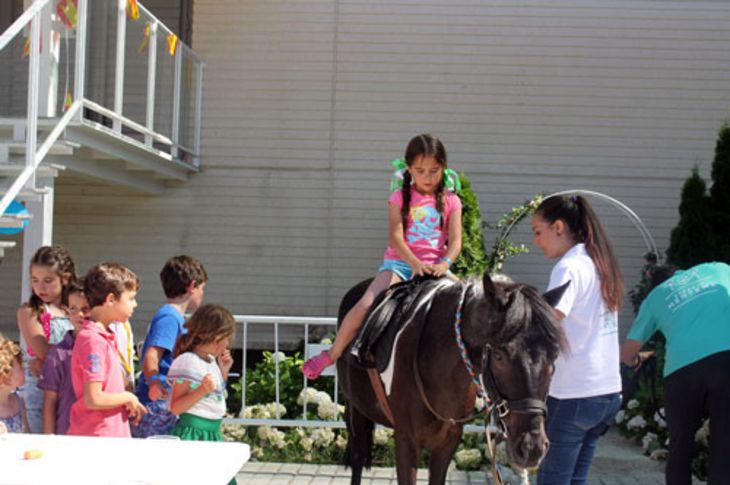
<point x="199" y="372"/>
<point x="424" y="238"/>
<point x="585" y="392"/>
<point x="43" y="321"/>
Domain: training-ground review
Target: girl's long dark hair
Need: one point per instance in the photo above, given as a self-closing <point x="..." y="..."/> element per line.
<point x="419" y="146"/>
<point x="586" y="228"/>
<point x="209" y="323"/>
<point x="59" y="260"/>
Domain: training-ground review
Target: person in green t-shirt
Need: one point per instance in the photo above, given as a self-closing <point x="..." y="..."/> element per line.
<point x="691" y="309"/>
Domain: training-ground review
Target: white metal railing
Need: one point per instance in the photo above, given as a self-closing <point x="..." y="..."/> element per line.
<point x="181" y="110"/>
<point x="305" y="323"/>
<point x="276" y="322"/>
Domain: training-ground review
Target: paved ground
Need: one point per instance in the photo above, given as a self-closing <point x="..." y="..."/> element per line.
<point x="617" y="462"/>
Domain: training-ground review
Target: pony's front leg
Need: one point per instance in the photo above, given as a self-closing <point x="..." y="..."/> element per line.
<point x="407" y="456"/>
<point x="441" y="454"/>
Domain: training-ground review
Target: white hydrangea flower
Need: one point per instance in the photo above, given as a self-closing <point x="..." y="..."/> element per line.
<point x="278" y="357"/>
<point x="633" y="404"/>
<point x="620" y="416"/>
<point x="323" y="437"/>
<point x="271" y="409"/>
<point x="263" y="432"/>
<point x="257" y="411"/>
<point x="648" y="440"/>
<point x="341" y="442"/>
<point x="637" y="422"/>
<point x="468" y="458"/>
<point x="327" y="410"/>
<point x="307" y="457"/>
<point x="320" y="397"/>
<point x="326" y="341"/>
<point x="659" y="420"/>
<point x="257" y="452"/>
<point x="659" y="454"/>
<point x="702" y="435"/>
<point x="381" y="436"/>
<point x="309" y="392"/>
<point x="479" y="403"/>
<point x="300" y="432"/>
<point x="306" y="443"/>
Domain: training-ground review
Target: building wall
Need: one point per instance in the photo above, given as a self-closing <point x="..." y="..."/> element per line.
<point x="307" y="101"/>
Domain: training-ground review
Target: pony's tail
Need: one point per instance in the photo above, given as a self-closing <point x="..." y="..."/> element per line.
<point x="359" y="452"/>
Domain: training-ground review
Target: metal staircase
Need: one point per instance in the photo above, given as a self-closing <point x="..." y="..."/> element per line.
<point x="100" y="88"/>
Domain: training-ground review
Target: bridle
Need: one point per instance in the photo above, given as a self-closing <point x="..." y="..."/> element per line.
<point x="498" y="402"/>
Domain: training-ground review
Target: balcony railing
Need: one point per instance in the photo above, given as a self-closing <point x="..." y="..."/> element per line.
<point x="109" y="62"/>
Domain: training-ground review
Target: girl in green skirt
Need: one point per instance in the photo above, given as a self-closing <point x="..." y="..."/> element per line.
<point x="199" y="372"/>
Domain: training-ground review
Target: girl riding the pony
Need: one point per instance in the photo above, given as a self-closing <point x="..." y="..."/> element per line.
<point x="424" y="222"/>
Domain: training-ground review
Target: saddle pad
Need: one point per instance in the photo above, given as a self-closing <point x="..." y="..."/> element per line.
<point x="392" y="312"/>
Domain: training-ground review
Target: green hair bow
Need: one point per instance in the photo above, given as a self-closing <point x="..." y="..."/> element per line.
<point x="451" y="178"/>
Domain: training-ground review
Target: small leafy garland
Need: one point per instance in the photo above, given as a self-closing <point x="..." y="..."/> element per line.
<point x="503" y="248"/>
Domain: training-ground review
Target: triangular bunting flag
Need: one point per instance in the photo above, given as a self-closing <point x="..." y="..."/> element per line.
<point x="145" y="38"/>
<point x="67" y="13"/>
<point x="132" y="10"/>
<point x="172" y="44"/>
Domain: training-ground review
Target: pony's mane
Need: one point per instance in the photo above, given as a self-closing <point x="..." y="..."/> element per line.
<point x="527" y="315"/>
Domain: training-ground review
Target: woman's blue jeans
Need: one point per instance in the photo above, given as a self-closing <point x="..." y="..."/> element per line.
<point x="573" y="428"/>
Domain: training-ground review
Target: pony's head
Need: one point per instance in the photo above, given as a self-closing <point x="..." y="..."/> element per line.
<point x="521" y="340"/>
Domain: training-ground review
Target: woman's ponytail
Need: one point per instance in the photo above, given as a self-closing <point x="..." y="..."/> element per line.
<point x="586" y="228"/>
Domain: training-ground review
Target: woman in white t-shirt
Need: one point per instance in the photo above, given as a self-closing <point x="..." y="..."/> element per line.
<point x="585" y="392"/>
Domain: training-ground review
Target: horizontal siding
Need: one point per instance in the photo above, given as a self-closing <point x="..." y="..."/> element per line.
<point x="307" y="101"/>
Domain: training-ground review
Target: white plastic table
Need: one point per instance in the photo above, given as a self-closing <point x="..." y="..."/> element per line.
<point x="115" y="461"/>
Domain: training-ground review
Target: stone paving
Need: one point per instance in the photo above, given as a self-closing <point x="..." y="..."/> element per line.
<point x="617" y="462"/>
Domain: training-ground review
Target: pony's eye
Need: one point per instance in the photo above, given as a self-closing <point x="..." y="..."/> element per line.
<point x="499" y="356"/>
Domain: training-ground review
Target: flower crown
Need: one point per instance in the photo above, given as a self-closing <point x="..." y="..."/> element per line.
<point x="451" y="178"/>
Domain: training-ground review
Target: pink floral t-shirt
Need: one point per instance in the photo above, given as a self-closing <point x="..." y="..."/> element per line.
<point x="95" y="359"/>
<point x="425" y="235"/>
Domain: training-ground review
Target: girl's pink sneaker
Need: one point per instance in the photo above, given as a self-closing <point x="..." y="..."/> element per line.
<point x="314" y="366"/>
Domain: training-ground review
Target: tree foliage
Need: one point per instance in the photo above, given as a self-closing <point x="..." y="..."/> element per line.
<point x="692" y="241"/>
<point x="720" y="195"/>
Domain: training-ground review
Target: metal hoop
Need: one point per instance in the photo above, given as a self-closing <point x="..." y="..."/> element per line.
<point x="633" y="217"/>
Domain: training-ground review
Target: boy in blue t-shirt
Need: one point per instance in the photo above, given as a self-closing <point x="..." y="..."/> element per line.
<point x="691" y="310"/>
<point x="183" y="280"/>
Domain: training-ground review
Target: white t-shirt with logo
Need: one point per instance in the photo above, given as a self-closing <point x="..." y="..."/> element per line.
<point x="590" y="367"/>
<point x="190" y="367"/>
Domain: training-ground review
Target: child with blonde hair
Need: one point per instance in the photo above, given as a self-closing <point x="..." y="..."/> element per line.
<point x="13" y="418"/>
<point x="43" y="321"/>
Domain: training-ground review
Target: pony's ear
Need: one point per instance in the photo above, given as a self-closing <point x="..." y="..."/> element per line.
<point x="492" y="293"/>
<point x="553" y="296"/>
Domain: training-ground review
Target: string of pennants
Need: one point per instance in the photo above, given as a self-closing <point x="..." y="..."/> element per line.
<point x="67" y="14"/>
<point x="133" y="15"/>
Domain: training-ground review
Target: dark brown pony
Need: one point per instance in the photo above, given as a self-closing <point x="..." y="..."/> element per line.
<point x="511" y="336"/>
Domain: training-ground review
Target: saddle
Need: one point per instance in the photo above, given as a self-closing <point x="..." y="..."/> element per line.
<point x="389" y="313"/>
